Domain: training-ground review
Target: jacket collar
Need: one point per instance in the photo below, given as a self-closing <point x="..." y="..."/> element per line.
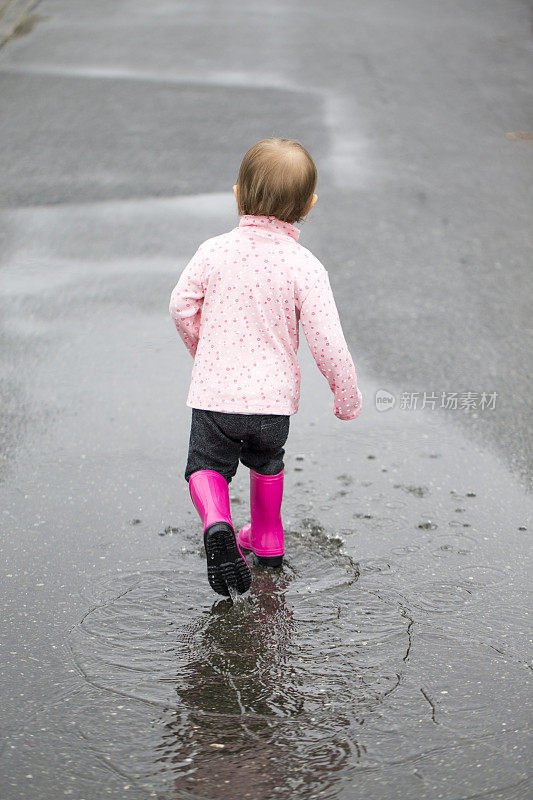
<point x="271" y="224"/>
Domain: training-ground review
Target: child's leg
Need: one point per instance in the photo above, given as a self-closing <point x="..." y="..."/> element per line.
<point x="212" y="446"/>
<point x="262" y="448"/>
<point x="215" y="443"/>
<point x="263" y="453"/>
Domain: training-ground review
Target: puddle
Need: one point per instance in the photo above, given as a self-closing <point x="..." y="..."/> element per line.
<point x="297" y="689"/>
<point x="266" y="696"/>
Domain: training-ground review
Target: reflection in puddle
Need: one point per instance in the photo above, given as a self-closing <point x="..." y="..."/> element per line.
<point x="265" y="697"/>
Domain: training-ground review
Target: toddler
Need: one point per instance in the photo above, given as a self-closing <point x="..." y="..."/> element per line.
<point x="237" y="306"/>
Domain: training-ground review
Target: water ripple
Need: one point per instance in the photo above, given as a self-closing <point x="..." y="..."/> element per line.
<point x="266" y="696"/>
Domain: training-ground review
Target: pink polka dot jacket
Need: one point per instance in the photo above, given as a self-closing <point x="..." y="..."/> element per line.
<point x="237" y="306"/>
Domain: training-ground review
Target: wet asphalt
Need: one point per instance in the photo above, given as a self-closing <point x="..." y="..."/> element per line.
<point x="389" y="658"/>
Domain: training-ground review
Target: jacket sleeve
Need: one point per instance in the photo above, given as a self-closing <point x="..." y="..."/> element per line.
<point x="321" y="324"/>
<point x="186" y="302"/>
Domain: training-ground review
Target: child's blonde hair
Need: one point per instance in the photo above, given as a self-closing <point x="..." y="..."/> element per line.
<point x="277" y="178"/>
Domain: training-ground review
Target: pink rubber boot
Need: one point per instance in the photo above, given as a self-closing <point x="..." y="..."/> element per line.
<point x="264" y="534"/>
<point x="226" y="566"/>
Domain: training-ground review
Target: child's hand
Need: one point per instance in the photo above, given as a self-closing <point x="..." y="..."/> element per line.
<point x="351" y="408"/>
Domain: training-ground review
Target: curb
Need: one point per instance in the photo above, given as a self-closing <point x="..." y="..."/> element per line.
<point x="12" y="13"/>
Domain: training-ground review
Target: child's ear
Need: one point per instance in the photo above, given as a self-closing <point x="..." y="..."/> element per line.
<point x="236" y="193"/>
<point x="311" y="204"/>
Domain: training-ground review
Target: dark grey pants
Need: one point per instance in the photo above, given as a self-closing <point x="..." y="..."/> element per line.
<point x="220" y="440"/>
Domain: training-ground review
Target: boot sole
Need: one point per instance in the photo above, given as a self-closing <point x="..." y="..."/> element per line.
<point x="226" y="568"/>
